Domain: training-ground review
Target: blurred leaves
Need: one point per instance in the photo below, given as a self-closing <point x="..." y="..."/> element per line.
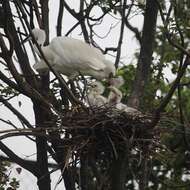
<point x="6" y="182"/>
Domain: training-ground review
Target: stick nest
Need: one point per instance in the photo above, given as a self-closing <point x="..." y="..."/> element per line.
<point x="105" y="130"/>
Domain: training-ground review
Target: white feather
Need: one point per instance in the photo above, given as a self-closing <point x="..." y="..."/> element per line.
<point x="114" y="99"/>
<point x="71" y="57"/>
<point x="94" y="95"/>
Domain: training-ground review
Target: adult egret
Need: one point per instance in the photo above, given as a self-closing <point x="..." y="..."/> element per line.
<point x="71" y="57"/>
<point x="94" y="96"/>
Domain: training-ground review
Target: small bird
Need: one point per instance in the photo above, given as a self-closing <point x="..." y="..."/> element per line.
<point x="115" y="96"/>
<point x="72" y="57"/>
<point x="116" y="81"/>
<point x="94" y="96"/>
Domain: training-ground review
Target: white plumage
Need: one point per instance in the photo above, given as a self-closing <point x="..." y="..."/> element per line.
<point x="115" y="96"/>
<point x="94" y="95"/>
<point x="71" y="57"/>
<point x="117" y="81"/>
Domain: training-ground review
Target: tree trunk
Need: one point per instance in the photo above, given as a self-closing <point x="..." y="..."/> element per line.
<point x="145" y="57"/>
<point x="41" y="147"/>
<point x="119" y="170"/>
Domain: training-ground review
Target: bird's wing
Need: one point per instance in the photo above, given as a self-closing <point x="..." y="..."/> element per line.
<point x="77" y="53"/>
<point x="96" y="64"/>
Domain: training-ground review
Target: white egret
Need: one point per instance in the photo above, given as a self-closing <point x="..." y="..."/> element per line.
<point x="116" y="81"/>
<point x="115" y="96"/>
<point x="94" y="95"/>
<point x="71" y="57"/>
<point x="115" y="100"/>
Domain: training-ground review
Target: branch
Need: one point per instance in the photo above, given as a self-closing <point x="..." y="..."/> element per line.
<point x="23" y="163"/>
<point x="10" y="83"/>
<point x="129" y="26"/>
<point x="82" y="17"/>
<point x="121" y="34"/>
<point x="168" y="34"/>
<point x="4" y="158"/>
<point x="175" y="84"/>
<point x="11" y="33"/>
<point x="16" y="112"/>
<point x="72" y="98"/>
<point x="134" y="30"/>
<point x="60" y="17"/>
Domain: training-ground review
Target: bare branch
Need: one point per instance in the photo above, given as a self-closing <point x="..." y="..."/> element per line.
<point x="58" y="76"/>
<point x="16" y="112"/>
<point x="33" y="162"/>
<point x="168" y="34"/>
<point x="175" y="84"/>
<point x="60" y="17"/>
<point x="28" y="166"/>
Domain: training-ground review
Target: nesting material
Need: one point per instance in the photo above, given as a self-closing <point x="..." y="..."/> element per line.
<point x="106" y="129"/>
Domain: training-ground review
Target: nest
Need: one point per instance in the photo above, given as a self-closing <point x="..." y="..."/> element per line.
<point x="106" y="130"/>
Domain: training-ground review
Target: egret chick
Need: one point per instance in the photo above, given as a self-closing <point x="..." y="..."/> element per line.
<point x="114" y="99"/>
<point x="114" y="96"/>
<point x="71" y="57"/>
<point x="94" y="95"/>
<point x="116" y="81"/>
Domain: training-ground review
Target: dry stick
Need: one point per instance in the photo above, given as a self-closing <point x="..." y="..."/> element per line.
<point x="72" y="98"/>
<point x="72" y="28"/>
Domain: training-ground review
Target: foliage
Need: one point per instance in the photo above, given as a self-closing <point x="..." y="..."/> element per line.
<point x="103" y="149"/>
<point x="7" y="183"/>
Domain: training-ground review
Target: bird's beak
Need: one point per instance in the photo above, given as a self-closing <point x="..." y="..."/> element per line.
<point x="110" y="76"/>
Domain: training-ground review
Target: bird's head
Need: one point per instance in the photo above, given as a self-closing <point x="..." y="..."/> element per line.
<point x="39" y="36"/>
<point x="115" y="95"/>
<point x="97" y="87"/>
<point x="110" y="70"/>
<point x="116" y="81"/>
